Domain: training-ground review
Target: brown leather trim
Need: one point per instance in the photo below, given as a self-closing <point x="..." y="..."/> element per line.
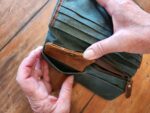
<point x="109" y="68"/>
<point x="56" y="12"/>
<point x="129" y="88"/>
<point x="68" y="57"/>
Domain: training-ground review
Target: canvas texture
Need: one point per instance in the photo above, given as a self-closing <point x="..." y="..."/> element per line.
<point x="75" y="25"/>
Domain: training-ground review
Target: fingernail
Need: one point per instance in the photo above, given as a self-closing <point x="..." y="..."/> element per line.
<point x="71" y="78"/>
<point x="38" y="51"/>
<point x="89" y="54"/>
<point x="39" y="48"/>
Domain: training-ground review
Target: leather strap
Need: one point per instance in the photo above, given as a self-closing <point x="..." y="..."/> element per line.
<point x="68" y="57"/>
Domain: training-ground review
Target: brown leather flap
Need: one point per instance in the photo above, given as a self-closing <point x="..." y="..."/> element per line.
<point x="68" y="57"/>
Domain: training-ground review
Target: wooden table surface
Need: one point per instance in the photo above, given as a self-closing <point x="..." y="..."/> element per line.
<point x="23" y="26"/>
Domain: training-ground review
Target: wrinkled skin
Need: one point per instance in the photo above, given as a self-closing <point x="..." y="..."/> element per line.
<point x="131" y="30"/>
<point x="131" y="34"/>
<point x="33" y="78"/>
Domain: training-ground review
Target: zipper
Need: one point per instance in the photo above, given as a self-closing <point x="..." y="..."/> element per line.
<point x="124" y="76"/>
<point x="128" y="89"/>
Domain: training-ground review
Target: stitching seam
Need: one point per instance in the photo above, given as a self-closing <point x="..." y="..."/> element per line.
<point x="56" y="13"/>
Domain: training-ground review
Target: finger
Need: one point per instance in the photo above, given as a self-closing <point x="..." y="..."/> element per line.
<point x="103" y="2"/>
<point x="46" y="78"/>
<point x="64" y="99"/>
<point x="25" y="67"/>
<point x="31" y="58"/>
<point x="114" y="5"/>
<point x="98" y="49"/>
<point x="109" y="5"/>
<point x="45" y="71"/>
<point x="37" y="71"/>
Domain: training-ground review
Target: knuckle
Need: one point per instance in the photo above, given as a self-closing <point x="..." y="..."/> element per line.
<point x="67" y="90"/>
<point x="64" y="109"/>
<point x="99" y="49"/>
<point x="18" y="80"/>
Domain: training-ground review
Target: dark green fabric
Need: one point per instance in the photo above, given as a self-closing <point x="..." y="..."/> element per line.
<point x="79" y="24"/>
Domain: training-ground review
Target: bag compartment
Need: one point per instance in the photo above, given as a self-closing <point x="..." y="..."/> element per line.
<point x="67" y="35"/>
<point x="96" y="83"/>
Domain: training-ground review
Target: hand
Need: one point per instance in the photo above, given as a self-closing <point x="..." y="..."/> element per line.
<point x="33" y="78"/>
<point x="131" y="30"/>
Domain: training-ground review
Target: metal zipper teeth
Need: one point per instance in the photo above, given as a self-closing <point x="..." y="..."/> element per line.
<point x="123" y="76"/>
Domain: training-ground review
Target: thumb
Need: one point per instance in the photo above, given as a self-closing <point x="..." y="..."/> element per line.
<point x="64" y="99"/>
<point x="103" y="47"/>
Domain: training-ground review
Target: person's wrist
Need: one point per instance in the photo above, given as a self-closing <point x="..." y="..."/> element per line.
<point x="38" y="106"/>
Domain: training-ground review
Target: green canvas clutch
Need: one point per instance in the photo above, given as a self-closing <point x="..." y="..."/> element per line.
<point x="75" y="25"/>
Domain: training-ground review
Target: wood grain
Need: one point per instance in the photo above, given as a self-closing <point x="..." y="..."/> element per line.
<point x="139" y="102"/>
<point x="32" y="35"/>
<point x="12" y="98"/>
<point x="144" y="4"/>
<point x="14" y="15"/>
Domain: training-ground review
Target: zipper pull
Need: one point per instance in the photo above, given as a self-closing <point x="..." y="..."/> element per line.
<point x="129" y="88"/>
